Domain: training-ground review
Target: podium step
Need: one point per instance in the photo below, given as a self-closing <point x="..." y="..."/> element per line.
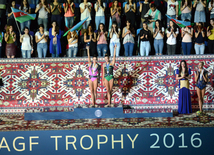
<point x="92" y="113"/>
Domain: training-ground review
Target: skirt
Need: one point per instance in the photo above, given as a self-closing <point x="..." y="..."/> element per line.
<point x="10" y="49"/>
<point x="200" y="17"/>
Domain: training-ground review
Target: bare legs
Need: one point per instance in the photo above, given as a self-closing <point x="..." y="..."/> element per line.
<point x="10" y="56"/>
<point x="200" y="94"/>
<point x="93" y="89"/>
<point x="109" y="86"/>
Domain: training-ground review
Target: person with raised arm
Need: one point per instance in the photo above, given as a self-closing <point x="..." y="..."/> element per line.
<point x="27" y="43"/>
<point x="94" y="68"/>
<point x="108" y="77"/>
<point x="201" y="78"/>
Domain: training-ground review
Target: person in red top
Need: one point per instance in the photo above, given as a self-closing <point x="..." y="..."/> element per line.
<point x="69" y="8"/>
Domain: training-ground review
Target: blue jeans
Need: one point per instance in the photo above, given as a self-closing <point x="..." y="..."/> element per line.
<point x="72" y="52"/>
<point x="55" y="51"/>
<point x="199" y="49"/>
<point x="173" y="16"/>
<point x="200" y="16"/>
<point x="128" y="49"/>
<point x="42" y="49"/>
<point x="145" y="48"/>
<point x="69" y="22"/>
<point x="211" y="16"/>
<point x="98" y="20"/>
<point x="85" y="25"/>
<point x="26" y="53"/>
<point x="25" y="24"/>
<point x="43" y="21"/>
<point x="111" y="46"/>
<point x="158" y="45"/>
<point x="186" y="16"/>
<point x="186" y="48"/>
<point x="102" y="48"/>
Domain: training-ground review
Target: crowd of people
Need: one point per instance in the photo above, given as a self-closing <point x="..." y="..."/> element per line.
<point x="135" y="27"/>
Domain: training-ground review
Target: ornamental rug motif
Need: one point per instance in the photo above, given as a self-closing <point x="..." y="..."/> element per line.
<point x="143" y="82"/>
<point x="16" y="122"/>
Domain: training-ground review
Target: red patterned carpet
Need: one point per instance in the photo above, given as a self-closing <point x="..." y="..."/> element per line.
<point x="16" y="122"/>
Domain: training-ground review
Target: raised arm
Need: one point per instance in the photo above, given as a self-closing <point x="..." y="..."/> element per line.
<point x="114" y="57"/>
<point x="89" y="59"/>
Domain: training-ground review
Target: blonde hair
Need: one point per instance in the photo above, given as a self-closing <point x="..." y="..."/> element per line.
<point x="74" y="34"/>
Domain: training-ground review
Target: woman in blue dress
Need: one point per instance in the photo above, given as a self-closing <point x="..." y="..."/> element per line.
<point x="183" y="74"/>
<point x="201" y="79"/>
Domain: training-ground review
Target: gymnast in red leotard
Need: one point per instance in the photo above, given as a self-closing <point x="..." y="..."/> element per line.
<point x="93" y="77"/>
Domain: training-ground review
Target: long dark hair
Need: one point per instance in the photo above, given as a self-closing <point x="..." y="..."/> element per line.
<point x="130" y="28"/>
<point x="28" y="34"/>
<point x="103" y="27"/>
<point x="57" y="27"/>
<point x="160" y="25"/>
<point x="22" y="5"/>
<point x="10" y="5"/>
<point x="71" y="2"/>
<point x="87" y="31"/>
<point x="211" y="27"/>
<point x="116" y="28"/>
<point x="101" y="3"/>
<point x="174" y="27"/>
<point x="186" y="69"/>
<point x="188" y="2"/>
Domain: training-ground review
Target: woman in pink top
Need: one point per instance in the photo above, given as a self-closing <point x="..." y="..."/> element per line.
<point x="186" y="34"/>
<point x="102" y="40"/>
<point x="69" y="7"/>
<point x="186" y="8"/>
<point x="94" y="68"/>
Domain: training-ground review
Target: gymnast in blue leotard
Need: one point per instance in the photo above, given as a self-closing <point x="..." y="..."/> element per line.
<point x="201" y="79"/>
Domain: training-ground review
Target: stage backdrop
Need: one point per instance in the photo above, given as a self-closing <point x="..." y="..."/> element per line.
<point x="61" y="84"/>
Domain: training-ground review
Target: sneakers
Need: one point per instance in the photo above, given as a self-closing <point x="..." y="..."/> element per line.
<point x="199" y="113"/>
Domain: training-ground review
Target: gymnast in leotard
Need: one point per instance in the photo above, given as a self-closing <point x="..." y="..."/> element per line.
<point x="201" y="79"/>
<point x="93" y="77"/>
<point x="108" y="78"/>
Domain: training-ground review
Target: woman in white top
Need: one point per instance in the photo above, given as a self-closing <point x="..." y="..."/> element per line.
<point x="41" y="38"/>
<point x="172" y="9"/>
<point x="211" y="9"/>
<point x="158" y="36"/>
<point x="85" y="10"/>
<point x="172" y="33"/>
<point x="73" y="44"/>
<point x="26" y="8"/>
<point x="100" y="7"/>
<point x="115" y="39"/>
<point x="43" y="9"/>
<point x="186" y="8"/>
<point x="200" y="15"/>
<point x="27" y="43"/>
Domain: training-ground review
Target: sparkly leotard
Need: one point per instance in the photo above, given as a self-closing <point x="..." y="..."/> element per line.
<point x="108" y="72"/>
<point x="93" y="72"/>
